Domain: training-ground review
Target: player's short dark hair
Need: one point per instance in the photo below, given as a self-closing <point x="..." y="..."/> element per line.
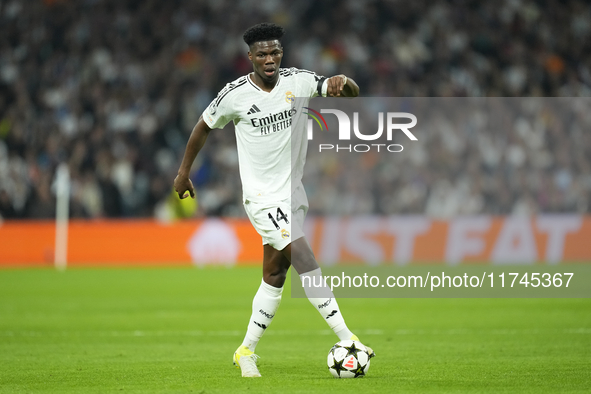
<point x="263" y="32"/>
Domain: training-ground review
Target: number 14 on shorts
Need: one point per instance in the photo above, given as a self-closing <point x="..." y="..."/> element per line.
<point x="278" y="217"/>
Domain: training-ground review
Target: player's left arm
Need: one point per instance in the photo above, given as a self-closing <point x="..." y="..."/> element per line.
<point x="342" y="86"/>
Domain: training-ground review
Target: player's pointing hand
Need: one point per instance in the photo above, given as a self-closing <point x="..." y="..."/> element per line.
<point x="336" y="85"/>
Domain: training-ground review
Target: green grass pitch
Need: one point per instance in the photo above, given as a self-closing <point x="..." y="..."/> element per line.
<point x="175" y="330"/>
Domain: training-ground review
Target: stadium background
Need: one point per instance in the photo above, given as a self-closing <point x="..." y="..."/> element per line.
<point x="113" y="89"/>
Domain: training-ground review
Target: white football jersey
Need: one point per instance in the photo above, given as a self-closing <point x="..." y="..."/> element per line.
<point x="271" y="153"/>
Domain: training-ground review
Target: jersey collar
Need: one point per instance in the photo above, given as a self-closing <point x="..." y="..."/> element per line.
<point x="254" y="85"/>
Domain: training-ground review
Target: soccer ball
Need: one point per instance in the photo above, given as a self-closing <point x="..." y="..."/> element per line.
<point x="348" y="359"/>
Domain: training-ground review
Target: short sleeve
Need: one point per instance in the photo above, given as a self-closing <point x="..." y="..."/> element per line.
<point x="315" y="84"/>
<point x="219" y="112"/>
<point x="321" y="87"/>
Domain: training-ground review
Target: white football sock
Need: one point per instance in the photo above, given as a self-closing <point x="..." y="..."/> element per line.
<point x="264" y="305"/>
<point x="322" y="298"/>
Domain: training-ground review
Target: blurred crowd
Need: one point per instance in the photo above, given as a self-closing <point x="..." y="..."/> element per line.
<point x="114" y="87"/>
<point x="473" y="155"/>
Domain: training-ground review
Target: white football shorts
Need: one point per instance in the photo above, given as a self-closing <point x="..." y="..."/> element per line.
<point x="279" y="223"/>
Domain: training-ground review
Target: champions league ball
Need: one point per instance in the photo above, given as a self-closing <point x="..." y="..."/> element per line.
<point x="348" y="359"/>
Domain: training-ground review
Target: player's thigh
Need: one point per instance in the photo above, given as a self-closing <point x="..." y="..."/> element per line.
<point x="301" y="256"/>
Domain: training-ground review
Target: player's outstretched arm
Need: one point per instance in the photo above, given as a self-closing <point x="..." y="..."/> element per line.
<point x="342" y="86"/>
<point x="182" y="184"/>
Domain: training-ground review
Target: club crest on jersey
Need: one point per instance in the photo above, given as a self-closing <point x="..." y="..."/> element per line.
<point x="284" y="234"/>
<point x="289" y="97"/>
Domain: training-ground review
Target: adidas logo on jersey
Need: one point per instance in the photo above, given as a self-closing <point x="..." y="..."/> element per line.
<point x="253" y="110"/>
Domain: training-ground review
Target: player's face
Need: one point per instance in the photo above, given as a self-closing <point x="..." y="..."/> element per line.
<point x="266" y="58"/>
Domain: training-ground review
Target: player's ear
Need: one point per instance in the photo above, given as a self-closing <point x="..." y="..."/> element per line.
<point x="249" y="56"/>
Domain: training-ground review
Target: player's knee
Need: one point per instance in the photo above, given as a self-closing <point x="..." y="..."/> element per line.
<point x="305" y="264"/>
<point x="275" y="279"/>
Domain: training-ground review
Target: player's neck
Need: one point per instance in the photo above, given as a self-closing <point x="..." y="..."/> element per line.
<point x="266" y="86"/>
